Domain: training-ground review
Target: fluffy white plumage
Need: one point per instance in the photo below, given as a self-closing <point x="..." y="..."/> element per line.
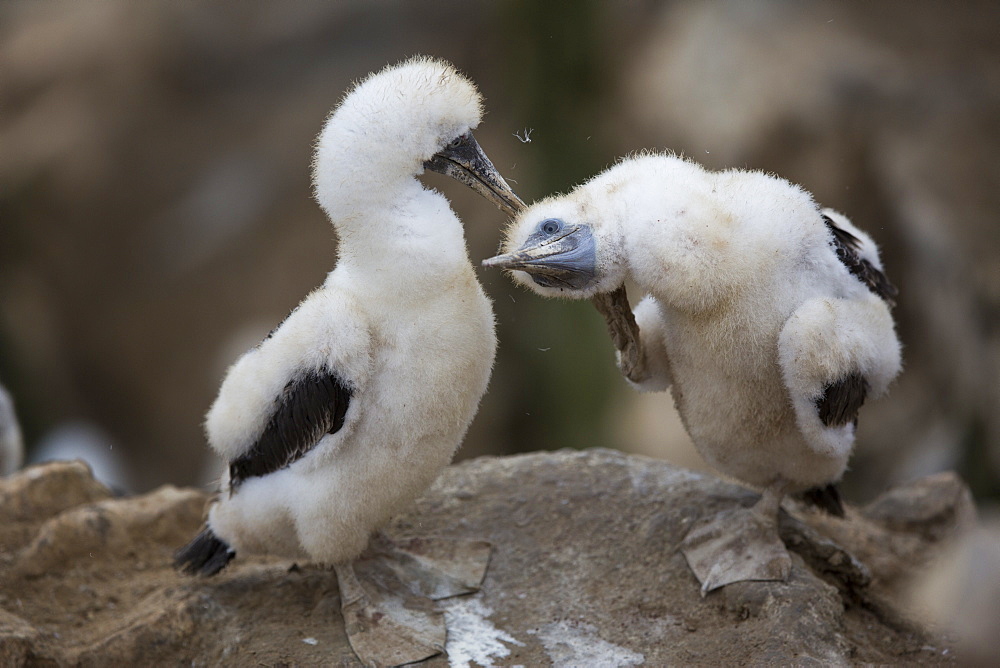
<point x="400" y="331"/>
<point x="749" y="314"/>
<point x="11" y="445"/>
<point x="766" y="317"/>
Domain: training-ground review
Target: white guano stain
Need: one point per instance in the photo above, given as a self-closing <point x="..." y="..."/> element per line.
<point x="577" y="644"/>
<point x="472" y="638"/>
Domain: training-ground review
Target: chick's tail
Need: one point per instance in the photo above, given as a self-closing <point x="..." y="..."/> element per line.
<point x="825" y="498"/>
<point x="207" y="554"/>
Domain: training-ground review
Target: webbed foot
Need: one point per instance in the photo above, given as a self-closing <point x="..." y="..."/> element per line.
<point x="388" y="594"/>
<point x="735" y="545"/>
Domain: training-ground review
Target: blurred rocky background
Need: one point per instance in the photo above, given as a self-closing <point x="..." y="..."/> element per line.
<point x="156" y="216"/>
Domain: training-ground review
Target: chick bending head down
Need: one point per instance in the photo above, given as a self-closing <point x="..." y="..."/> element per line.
<point x="768" y="318"/>
<point x="350" y="408"/>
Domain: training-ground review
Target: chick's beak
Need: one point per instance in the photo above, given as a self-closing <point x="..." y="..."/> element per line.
<point x="567" y="260"/>
<point x="465" y="161"/>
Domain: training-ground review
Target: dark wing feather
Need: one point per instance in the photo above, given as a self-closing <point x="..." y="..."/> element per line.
<point x="309" y="408"/>
<point x="841" y="400"/>
<point x="846" y="246"/>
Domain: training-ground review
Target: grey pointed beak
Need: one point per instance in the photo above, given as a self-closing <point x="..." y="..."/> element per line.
<point x="565" y="261"/>
<point x="465" y="161"/>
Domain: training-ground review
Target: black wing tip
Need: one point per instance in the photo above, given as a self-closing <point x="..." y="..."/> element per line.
<point x="840" y="234"/>
<point x="310" y="406"/>
<point x="847" y="246"/>
<point x="841" y="400"/>
<point x="825" y="498"/>
<point x="205" y="555"/>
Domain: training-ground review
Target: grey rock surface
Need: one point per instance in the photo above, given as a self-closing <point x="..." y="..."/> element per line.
<point x="585" y="571"/>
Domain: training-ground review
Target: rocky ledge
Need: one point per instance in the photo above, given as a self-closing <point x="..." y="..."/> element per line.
<point x="585" y="571"/>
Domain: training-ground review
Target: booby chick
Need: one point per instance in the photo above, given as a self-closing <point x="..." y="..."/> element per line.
<point x="11" y="445"/>
<point x="767" y="317"/>
<point x="350" y="408"/>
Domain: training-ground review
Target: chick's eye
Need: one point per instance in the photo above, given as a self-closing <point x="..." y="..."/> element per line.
<point x="550" y="226"/>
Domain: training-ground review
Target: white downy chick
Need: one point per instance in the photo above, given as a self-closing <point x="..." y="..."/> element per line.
<point x="350" y="408"/>
<point x="11" y="444"/>
<point x="768" y="318"/>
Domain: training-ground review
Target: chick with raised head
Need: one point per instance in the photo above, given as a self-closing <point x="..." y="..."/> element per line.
<point x="351" y="407"/>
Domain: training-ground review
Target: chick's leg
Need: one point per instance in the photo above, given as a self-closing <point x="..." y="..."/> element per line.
<point x="624" y="333"/>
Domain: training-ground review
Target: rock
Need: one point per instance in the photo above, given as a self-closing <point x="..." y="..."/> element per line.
<point x="585" y="571"/>
<point x="109" y="529"/>
<point x="44" y="491"/>
<point x="40" y="492"/>
<point x="960" y="593"/>
<point x="932" y="506"/>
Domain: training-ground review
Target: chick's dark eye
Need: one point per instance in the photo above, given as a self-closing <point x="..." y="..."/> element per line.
<point x="550" y="226"/>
